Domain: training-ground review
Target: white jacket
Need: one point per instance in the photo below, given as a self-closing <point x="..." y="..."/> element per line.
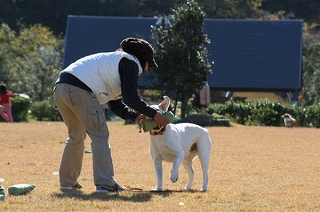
<point x="100" y="72"/>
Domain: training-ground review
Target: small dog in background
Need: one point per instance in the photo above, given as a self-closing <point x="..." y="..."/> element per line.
<point x="289" y="121"/>
<point x="179" y="144"/>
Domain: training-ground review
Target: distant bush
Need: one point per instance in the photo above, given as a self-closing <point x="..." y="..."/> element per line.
<point x="308" y="116"/>
<point x="266" y="113"/>
<point x="45" y="111"/>
<point x="20" y="108"/>
<point x="24" y="109"/>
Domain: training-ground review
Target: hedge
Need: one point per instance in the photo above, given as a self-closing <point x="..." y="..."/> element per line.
<point x="266" y="113"/>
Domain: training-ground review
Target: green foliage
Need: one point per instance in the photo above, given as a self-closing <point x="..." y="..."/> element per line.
<point x="308" y="116"/>
<point x="181" y="53"/>
<point x="301" y="9"/>
<point x="264" y="116"/>
<point x="45" y="111"/>
<point x="31" y="60"/>
<point x="230" y="8"/>
<point x="20" y="108"/>
<point x="53" y="13"/>
<point x="267" y="113"/>
<point x="311" y="74"/>
<point x="6" y="36"/>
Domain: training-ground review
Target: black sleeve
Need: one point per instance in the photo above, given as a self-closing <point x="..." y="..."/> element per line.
<point x="122" y="110"/>
<point x="128" y="71"/>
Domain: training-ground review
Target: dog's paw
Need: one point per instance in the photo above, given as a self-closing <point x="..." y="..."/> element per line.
<point x="174" y="176"/>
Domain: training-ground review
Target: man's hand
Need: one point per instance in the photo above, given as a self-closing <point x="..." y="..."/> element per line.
<point x="161" y="120"/>
<point x="138" y="120"/>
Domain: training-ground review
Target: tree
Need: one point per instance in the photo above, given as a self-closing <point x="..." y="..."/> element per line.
<point x="31" y="60"/>
<point x="53" y="13"/>
<point x="229" y="8"/>
<point x="181" y="54"/>
<point x="311" y="74"/>
<point x="308" y="10"/>
<point x="6" y="36"/>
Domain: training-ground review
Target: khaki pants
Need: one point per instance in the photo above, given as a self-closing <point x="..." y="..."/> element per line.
<point x="83" y="115"/>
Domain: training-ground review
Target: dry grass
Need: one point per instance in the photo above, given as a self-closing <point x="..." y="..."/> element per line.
<point x="251" y="169"/>
<point x="254" y="96"/>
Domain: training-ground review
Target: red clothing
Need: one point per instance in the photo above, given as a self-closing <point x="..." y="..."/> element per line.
<point x="5" y="98"/>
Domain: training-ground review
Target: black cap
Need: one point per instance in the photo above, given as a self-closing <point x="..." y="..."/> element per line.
<point x="139" y="48"/>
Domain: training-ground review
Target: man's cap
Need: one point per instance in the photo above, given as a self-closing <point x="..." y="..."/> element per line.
<point x="139" y="48"/>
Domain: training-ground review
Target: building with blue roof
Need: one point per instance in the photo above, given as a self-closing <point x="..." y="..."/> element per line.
<point x="248" y="55"/>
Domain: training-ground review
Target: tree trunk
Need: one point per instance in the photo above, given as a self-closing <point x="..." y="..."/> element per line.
<point x="184" y="106"/>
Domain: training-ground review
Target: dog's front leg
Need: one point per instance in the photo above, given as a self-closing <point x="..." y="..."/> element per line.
<point x="175" y="166"/>
<point x="158" y="169"/>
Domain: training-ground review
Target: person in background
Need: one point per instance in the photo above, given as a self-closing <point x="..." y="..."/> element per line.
<point x="81" y="90"/>
<point x="204" y="96"/>
<point x="5" y="102"/>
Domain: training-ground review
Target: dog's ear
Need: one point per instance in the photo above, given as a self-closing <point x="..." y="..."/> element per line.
<point x="164" y="105"/>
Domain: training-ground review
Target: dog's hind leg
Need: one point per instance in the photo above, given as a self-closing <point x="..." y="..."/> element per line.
<point x="187" y="164"/>
<point x="205" y="167"/>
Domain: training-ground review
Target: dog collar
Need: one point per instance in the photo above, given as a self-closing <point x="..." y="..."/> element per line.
<point x="160" y="132"/>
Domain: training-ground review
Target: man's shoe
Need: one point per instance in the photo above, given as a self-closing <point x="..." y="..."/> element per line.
<point x="77" y="186"/>
<point x="106" y="188"/>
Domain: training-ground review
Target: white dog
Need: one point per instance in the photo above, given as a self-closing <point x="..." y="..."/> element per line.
<point x="179" y="143"/>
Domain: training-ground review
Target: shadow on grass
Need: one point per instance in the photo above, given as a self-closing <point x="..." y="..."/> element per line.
<point x="124" y="196"/>
<point x="129" y="196"/>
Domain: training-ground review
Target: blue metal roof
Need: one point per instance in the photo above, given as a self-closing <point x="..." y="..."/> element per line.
<point x="255" y="54"/>
<point x="247" y="54"/>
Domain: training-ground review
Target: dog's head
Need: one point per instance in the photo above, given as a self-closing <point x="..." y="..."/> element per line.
<point x="163" y="106"/>
<point x="289" y="121"/>
<point x="286" y="115"/>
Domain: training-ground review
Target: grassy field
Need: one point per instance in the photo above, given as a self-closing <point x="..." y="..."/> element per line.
<point x="251" y="169"/>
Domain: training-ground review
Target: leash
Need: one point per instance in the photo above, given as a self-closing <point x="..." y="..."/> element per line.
<point x="135" y="189"/>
